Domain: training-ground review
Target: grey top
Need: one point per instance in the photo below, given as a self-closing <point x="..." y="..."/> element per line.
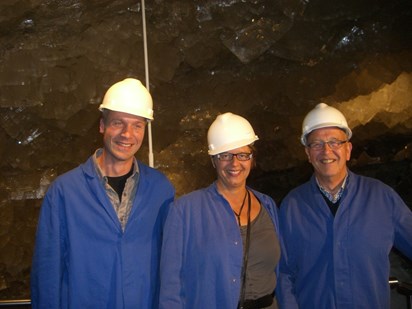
<point x="264" y="255"/>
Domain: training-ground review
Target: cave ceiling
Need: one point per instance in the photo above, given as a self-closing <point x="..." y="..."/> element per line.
<point x="269" y="61"/>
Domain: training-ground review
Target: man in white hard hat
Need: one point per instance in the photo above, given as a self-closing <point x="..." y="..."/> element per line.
<point x="100" y="227"/>
<point x="338" y="228"/>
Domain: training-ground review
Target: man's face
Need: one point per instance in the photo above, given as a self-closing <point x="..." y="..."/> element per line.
<point x="122" y="135"/>
<point x="329" y="163"/>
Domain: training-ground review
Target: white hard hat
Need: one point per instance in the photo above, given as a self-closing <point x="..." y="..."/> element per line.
<point x="229" y="131"/>
<point x="323" y="116"/>
<point x="129" y="96"/>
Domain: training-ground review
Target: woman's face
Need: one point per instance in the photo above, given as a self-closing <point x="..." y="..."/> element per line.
<point x="232" y="172"/>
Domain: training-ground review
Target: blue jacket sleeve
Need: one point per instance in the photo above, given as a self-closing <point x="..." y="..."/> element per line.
<point x="285" y="287"/>
<point x="403" y="226"/>
<point x="171" y="294"/>
<point x="47" y="264"/>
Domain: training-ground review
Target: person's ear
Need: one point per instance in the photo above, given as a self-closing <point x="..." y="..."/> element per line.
<point x="101" y="125"/>
<point x="212" y="158"/>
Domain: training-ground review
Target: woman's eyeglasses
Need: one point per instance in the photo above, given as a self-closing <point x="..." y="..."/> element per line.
<point x="241" y="156"/>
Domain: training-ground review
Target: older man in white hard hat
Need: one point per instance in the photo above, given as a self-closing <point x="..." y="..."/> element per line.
<point x="99" y="232"/>
<point x="338" y="228"/>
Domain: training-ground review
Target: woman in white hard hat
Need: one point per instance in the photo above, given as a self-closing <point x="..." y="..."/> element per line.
<point x="221" y="245"/>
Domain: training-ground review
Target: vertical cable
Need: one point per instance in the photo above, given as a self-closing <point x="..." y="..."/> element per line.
<point x="146" y="67"/>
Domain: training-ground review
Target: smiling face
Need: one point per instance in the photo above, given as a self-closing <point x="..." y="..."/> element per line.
<point x="329" y="164"/>
<point x="233" y="174"/>
<point x="122" y="136"/>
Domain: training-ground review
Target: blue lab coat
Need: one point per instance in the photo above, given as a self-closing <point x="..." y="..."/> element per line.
<point x="341" y="262"/>
<point x="82" y="257"/>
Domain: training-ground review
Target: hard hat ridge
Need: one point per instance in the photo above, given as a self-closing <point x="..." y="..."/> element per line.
<point x="229" y="131"/>
<point x="324" y="116"/>
<point x="129" y="96"/>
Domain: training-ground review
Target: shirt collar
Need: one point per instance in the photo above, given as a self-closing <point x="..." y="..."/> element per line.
<point x="99" y="171"/>
<point x="333" y="197"/>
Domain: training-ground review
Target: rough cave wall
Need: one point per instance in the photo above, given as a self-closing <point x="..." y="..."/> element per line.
<point x="270" y="61"/>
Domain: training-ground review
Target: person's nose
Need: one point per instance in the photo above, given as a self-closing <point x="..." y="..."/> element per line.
<point x="235" y="161"/>
<point x="127" y="130"/>
<point x="326" y="148"/>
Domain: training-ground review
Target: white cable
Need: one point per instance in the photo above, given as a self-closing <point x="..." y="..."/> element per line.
<point x="146" y="67"/>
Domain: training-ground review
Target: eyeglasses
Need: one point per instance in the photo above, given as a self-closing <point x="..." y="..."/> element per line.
<point x="333" y="144"/>
<point x="241" y="156"/>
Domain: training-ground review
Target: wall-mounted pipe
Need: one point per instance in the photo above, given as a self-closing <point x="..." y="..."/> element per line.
<point x="146" y="68"/>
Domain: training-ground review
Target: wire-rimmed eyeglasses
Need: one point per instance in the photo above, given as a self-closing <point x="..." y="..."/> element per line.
<point x="333" y="144"/>
<point x="241" y="156"/>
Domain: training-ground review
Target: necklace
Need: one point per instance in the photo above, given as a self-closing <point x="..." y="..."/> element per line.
<point x="245" y="254"/>
<point x="237" y="214"/>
